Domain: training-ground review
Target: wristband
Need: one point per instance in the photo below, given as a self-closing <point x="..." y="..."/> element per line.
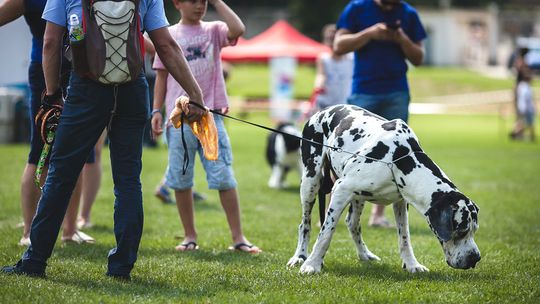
<point x="154" y="111"/>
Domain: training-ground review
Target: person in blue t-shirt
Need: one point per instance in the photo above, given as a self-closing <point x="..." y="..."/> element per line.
<point x="11" y="10"/>
<point x="90" y="107"/>
<point x="384" y="35"/>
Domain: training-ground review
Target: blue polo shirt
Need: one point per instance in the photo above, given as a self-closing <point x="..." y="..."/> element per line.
<point x="380" y="66"/>
<point x="32" y="14"/>
<point x="151" y="12"/>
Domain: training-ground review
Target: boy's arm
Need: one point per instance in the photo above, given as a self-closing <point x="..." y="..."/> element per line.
<point x="160" y="90"/>
<point x="172" y="57"/>
<point x="10" y="10"/>
<point x="235" y="24"/>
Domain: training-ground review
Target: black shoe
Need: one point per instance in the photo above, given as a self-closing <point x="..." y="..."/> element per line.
<point x="120" y="277"/>
<point x="17" y="269"/>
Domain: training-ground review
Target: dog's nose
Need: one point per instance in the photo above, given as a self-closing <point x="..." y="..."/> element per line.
<point x="472" y="259"/>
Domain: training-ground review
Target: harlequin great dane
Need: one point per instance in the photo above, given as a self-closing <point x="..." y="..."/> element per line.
<point x="379" y="161"/>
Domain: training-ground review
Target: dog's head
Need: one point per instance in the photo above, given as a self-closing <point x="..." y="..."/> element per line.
<point x="454" y="220"/>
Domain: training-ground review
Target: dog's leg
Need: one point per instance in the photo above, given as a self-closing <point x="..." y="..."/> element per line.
<point x="353" y="223"/>
<point x="275" y="178"/>
<point x="340" y="198"/>
<point x="308" y="191"/>
<point x="404" y="239"/>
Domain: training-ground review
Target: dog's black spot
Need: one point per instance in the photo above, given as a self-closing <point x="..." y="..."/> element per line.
<point x="389" y="126"/>
<point x="354" y="131"/>
<point x="308" y="157"/>
<point x="439" y="183"/>
<point x="326" y="129"/>
<point x="366" y="193"/>
<point x="428" y="163"/>
<point x="378" y="152"/>
<point x="404" y="163"/>
<point x="340" y="142"/>
<point x="338" y="114"/>
<point x="415" y="146"/>
<point x="344" y="125"/>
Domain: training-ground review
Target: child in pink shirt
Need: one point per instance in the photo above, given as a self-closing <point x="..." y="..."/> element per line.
<point x="201" y="43"/>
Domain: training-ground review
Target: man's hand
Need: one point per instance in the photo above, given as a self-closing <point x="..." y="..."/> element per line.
<point x="195" y="112"/>
<point x="381" y="31"/>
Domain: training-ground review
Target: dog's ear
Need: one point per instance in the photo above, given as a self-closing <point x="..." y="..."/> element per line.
<point x="440" y="218"/>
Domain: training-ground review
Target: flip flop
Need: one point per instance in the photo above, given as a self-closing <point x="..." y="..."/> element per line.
<point x="79" y="237"/>
<point x="247" y="248"/>
<point x="189" y="246"/>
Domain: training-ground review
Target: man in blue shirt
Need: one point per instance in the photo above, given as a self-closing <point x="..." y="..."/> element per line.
<point x="89" y="108"/>
<point x="383" y="34"/>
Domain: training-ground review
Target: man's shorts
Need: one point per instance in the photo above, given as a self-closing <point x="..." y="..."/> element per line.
<point x="390" y="106"/>
<point x="219" y="173"/>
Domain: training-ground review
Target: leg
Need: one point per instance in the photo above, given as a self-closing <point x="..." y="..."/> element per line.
<point x="404" y="239"/>
<point x="220" y="176"/>
<point x="276" y="177"/>
<point x="126" y="135"/>
<point x="29" y="198"/>
<point x="77" y="132"/>
<point x="184" y="203"/>
<point x="90" y="184"/>
<point x="353" y="224"/>
<point x="340" y="198"/>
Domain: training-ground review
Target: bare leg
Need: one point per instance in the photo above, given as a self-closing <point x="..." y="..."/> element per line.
<point x="70" y="219"/>
<point x="29" y="197"/>
<point x="91" y="181"/>
<point x="377" y="218"/>
<point x="184" y="203"/>
<point x="231" y="206"/>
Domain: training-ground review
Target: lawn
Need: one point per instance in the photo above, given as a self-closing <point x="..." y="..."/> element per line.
<point x="252" y="80"/>
<point x="499" y="175"/>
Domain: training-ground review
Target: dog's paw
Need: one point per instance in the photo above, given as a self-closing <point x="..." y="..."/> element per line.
<point x="310" y="268"/>
<point x="415" y="267"/>
<point x="368" y="256"/>
<point x="296" y="260"/>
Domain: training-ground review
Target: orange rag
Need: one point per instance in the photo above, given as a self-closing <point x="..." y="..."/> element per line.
<point x="205" y="130"/>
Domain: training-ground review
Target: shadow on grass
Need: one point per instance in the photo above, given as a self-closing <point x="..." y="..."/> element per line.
<point x="381" y="271"/>
<point x="98" y="253"/>
<point x="143" y="287"/>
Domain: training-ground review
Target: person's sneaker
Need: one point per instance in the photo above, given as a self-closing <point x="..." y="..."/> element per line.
<point x="163" y="194"/>
<point x="18" y="270"/>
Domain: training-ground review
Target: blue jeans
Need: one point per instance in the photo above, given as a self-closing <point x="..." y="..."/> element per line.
<point x="86" y="113"/>
<point x="390" y="106"/>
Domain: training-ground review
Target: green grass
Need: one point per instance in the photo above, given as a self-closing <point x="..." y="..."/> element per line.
<point x="500" y="176"/>
<point x="252" y="80"/>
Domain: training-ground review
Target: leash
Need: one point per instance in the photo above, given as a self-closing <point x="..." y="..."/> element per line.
<point x="47" y="120"/>
<point x="337" y="149"/>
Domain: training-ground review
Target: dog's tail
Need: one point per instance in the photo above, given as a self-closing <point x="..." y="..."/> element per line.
<point x="324" y="189"/>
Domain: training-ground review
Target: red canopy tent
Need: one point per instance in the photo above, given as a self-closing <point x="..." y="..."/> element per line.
<point x="280" y="40"/>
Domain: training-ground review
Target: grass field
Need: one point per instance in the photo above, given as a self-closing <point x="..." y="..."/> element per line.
<point x="248" y="80"/>
<point x="500" y="176"/>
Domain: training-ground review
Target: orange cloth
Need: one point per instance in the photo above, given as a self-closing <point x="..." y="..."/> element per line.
<point x="205" y="130"/>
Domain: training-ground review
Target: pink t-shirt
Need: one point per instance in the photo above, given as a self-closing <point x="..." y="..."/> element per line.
<point x="202" y="46"/>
